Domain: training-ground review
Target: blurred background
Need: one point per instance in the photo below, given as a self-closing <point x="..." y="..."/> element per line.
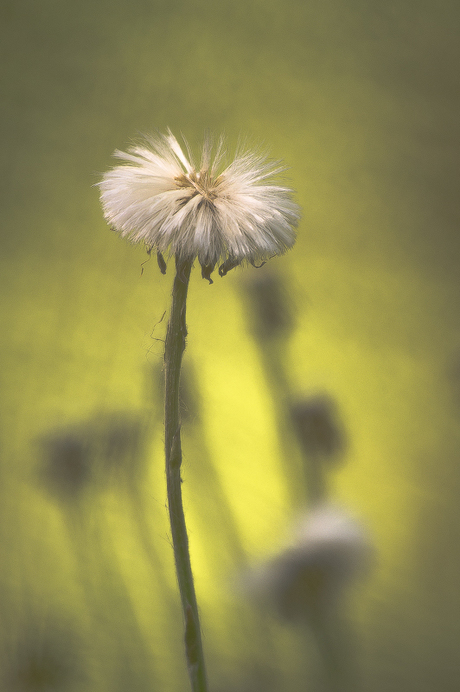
<point x="361" y="100"/>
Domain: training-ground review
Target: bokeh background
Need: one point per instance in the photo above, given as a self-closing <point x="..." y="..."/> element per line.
<point x="361" y="99"/>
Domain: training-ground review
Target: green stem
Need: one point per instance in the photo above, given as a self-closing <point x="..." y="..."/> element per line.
<point x="174" y="349"/>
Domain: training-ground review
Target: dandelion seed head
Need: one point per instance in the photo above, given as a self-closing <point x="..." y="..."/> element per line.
<point x="216" y="213"/>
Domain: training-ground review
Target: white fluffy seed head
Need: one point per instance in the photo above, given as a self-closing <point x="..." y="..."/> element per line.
<point x="159" y="197"/>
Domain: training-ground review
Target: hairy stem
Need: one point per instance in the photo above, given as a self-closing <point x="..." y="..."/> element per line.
<point x="174" y="349"/>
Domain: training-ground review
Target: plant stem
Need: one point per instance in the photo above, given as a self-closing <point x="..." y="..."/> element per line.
<point x="174" y="349"/>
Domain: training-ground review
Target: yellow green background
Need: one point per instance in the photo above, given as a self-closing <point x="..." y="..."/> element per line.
<point x="361" y="99"/>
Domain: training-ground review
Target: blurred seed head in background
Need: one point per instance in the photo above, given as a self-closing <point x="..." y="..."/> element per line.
<point x="84" y="456"/>
<point x="308" y="579"/>
<point x="316" y="423"/>
<point x="44" y="656"/>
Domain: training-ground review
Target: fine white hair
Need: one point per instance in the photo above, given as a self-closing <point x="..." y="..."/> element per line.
<point x="216" y="213"/>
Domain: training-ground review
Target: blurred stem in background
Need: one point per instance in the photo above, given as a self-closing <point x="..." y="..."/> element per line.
<point x="271" y="323"/>
<point x="312" y="420"/>
<point x="79" y="465"/>
<point x="321" y="439"/>
<point x="303" y="577"/>
<point x="174" y="349"/>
